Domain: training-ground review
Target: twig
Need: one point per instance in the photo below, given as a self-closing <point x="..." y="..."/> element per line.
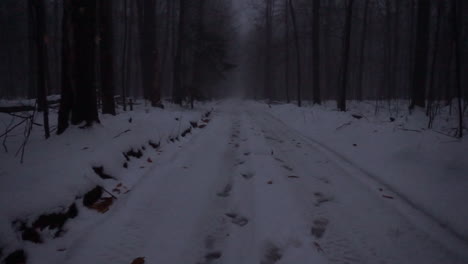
<point x="121" y="133"/>
<point x="27" y="133"/>
<point x="6" y="135"/>
<point x="411" y="130"/>
<point x="12" y="128"/>
<point x="447" y="135"/>
<point x="345" y="124"/>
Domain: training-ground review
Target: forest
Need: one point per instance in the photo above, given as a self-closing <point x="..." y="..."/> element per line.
<point x="233" y="131"/>
<point x="181" y="51"/>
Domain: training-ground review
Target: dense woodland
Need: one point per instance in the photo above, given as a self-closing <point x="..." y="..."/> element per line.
<point x="103" y="54"/>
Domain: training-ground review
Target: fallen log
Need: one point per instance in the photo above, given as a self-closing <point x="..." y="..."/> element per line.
<point x="16" y="109"/>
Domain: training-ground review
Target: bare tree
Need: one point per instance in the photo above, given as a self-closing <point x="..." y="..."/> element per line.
<point x="346" y="48"/>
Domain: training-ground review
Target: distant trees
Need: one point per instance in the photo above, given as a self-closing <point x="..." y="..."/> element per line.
<point x="380" y="50"/>
<point x="178" y="40"/>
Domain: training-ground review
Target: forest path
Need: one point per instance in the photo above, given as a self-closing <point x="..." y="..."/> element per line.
<point x="249" y="189"/>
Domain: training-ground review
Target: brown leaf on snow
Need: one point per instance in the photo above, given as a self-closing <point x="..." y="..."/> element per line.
<point x="140" y="260"/>
<point x="103" y="205"/>
<point x="150" y="160"/>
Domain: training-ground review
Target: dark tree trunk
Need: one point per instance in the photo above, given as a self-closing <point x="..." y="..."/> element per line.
<point x="457" y="20"/>
<point x="431" y="92"/>
<point x="198" y="57"/>
<point x="66" y="101"/>
<point x="84" y="46"/>
<point x="78" y="64"/>
<point x="316" y="52"/>
<point x="346" y="48"/>
<point x="421" y="51"/>
<point x="298" y="53"/>
<point x="125" y="52"/>
<point x="179" y="72"/>
<point x="148" y="50"/>
<point x="286" y="72"/>
<point x="362" y="59"/>
<point x="106" y="57"/>
<point x="31" y="50"/>
<point x="268" y="67"/>
<point x="42" y="63"/>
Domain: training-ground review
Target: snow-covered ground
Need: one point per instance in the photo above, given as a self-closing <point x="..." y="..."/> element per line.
<point x="258" y="184"/>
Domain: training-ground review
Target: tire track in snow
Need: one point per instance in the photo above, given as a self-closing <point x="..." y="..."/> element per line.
<point x="354" y="231"/>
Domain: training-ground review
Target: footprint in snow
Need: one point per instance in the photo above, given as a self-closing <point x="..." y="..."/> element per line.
<point x="319" y="227"/>
<point x="237" y="219"/>
<point x="272" y="254"/>
<point x="322" y="198"/>
<point x="247" y="175"/>
<point x="226" y="191"/>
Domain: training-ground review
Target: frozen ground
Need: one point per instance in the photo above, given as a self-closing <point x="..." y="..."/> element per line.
<point x="256" y="185"/>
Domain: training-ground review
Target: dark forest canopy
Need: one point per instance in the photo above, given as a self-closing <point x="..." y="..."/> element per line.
<point x="94" y="52"/>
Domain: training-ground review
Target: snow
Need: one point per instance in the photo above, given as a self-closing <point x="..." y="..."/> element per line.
<point x="258" y="184"/>
<point x="427" y="167"/>
<point x="57" y="171"/>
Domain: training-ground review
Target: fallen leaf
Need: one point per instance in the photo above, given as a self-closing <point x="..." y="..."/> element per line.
<point x="103" y="204"/>
<point x="150" y="160"/>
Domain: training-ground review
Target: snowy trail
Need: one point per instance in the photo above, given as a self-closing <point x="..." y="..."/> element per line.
<point x="249" y="189"/>
<point x="363" y="225"/>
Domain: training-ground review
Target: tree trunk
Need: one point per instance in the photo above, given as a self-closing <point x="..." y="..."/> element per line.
<point x="268" y="67"/>
<point x="286" y="77"/>
<point x="198" y="57"/>
<point x="106" y="57"/>
<point x="362" y="61"/>
<point x="32" y="90"/>
<point x="148" y="50"/>
<point x="177" y="92"/>
<point x="42" y="65"/>
<point x="125" y="52"/>
<point x="66" y="100"/>
<point x="316" y="52"/>
<point x="84" y="45"/>
<point x="298" y="53"/>
<point x="456" y="13"/>
<point x="430" y="92"/>
<point x="421" y="51"/>
<point x="347" y="43"/>
<point x="78" y="65"/>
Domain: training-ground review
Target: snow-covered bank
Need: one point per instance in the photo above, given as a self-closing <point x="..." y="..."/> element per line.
<point x="58" y="171"/>
<point x="426" y="166"/>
